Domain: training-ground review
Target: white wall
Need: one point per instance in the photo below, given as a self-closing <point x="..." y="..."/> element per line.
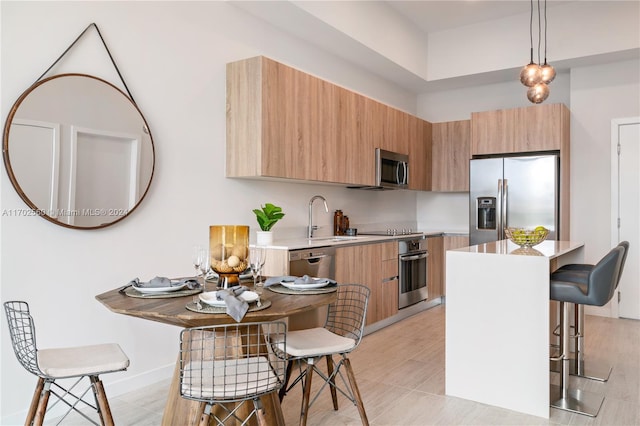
<point x="172" y="56"/>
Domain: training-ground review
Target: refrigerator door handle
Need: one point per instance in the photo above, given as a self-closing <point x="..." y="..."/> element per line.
<point x="499" y="211"/>
<point x="505" y="205"/>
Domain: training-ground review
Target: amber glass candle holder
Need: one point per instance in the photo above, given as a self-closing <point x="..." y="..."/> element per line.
<point x="229" y="248"/>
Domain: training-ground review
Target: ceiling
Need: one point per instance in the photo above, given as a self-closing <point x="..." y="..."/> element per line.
<point x="432" y="16"/>
<point x="428" y="16"/>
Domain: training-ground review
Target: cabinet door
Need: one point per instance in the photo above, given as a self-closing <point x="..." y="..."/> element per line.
<point x="364" y="264"/>
<point x="492" y="132"/>
<point x="420" y="159"/>
<point x="451" y="151"/>
<point x="435" y="265"/>
<point x="361" y="265"/>
<point x="540" y="127"/>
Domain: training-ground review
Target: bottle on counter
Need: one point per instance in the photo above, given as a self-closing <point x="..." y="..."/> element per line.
<point x="337" y="222"/>
<point x="345" y="225"/>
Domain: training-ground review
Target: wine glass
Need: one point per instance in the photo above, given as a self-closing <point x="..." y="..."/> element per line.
<point x="196" y="258"/>
<point x="256" y="261"/>
<point x="205" y="265"/>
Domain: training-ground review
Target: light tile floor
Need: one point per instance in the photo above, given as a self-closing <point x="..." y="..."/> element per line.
<point x="400" y="372"/>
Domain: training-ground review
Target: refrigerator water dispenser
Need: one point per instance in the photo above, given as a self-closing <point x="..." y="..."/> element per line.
<point x="486" y="213"/>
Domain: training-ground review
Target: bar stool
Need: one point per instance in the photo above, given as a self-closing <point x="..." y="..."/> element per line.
<point x="578" y="367"/>
<point x="61" y="363"/>
<point x="595" y="288"/>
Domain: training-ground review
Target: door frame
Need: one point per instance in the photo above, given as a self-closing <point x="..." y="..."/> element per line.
<point x="616" y="123"/>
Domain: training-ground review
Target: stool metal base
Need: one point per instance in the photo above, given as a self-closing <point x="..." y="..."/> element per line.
<point x="577" y="401"/>
<point x="587" y="370"/>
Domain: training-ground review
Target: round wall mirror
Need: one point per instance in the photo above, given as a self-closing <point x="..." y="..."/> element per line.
<point x="78" y="151"/>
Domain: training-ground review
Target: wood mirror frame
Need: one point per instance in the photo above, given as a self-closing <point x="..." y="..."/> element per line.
<point x="78" y="151"/>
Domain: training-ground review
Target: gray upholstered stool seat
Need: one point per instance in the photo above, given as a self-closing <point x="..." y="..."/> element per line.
<point x="594" y="287"/>
<point x="82" y="360"/>
<point x="578" y="273"/>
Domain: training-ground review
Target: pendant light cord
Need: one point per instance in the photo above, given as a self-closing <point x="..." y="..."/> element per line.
<point x="539" y="33"/>
<point x="531" y="30"/>
<point x="545" y="31"/>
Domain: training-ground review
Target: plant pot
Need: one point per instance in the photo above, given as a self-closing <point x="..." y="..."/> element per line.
<point x="264" y="238"/>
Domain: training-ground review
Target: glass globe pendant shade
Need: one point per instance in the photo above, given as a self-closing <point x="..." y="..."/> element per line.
<point x="547" y="73"/>
<point x="538" y="93"/>
<point x="530" y="75"/>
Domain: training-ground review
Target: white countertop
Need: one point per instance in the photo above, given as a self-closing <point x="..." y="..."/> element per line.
<point x="342" y="240"/>
<point x="547" y="248"/>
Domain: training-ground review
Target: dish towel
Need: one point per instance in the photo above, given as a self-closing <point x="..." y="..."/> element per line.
<point x="236" y="308"/>
<point x="191" y="283"/>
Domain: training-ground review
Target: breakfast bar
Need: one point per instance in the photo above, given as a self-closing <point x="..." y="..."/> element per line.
<point x="498" y="322"/>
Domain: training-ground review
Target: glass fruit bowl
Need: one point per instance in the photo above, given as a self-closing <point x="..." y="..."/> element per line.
<point x="527" y="237"/>
<point x="229" y="249"/>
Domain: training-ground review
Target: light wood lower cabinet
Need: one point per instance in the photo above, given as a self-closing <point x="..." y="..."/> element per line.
<point x="435" y="271"/>
<point x="372" y="265"/>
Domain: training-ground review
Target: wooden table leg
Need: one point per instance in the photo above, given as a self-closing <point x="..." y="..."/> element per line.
<point x="180" y="411"/>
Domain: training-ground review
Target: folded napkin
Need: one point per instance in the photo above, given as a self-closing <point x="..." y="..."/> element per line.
<point x="236" y="308"/>
<point x="191" y="283"/>
<point x="278" y="280"/>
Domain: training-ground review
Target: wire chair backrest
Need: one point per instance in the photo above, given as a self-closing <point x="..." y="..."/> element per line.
<point x="346" y="316"/>
<point x="231" y="362"/>
<point x="23" y="335"/>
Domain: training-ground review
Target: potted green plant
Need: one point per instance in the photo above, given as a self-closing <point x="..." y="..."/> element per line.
<point x="267" y="216"/>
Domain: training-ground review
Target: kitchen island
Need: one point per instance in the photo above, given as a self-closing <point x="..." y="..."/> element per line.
<point x="497" y="322"/>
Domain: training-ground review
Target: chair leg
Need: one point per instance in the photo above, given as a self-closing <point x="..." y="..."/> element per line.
<point x="262" y="420"/>
<point x="304" y="409"/>
<point x="332" y="382"/>
<point x="574" y="400"/>
<point x="287" y="377"/>
<point x="356" y="391"/>
<point x="104" y="411"/>
<point x="41" y="409"/>
<point x="206" y="413"/>
<point x="37" y="394"/>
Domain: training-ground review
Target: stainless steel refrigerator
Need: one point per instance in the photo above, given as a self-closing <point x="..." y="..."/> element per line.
<point x="513" y="191"/>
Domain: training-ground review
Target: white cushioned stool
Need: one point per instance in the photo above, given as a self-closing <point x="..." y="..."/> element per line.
<point x="62" y="363"/>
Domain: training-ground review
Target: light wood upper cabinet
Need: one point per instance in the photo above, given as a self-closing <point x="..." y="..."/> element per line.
<point x="528" y="129"/>
<point x="420" y="163"/>
<point x="451" y="151"/>
<point x="284" y="123"/>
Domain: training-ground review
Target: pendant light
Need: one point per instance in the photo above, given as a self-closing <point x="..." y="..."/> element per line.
<point x="534" y="76"/>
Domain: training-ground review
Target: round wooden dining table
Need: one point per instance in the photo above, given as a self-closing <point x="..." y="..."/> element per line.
<point x="173" y="311"/>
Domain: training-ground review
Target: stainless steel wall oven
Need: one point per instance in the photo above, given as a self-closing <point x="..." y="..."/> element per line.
<point x="412" y="271"/>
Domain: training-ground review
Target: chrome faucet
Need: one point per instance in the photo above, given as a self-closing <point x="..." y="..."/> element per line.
<point x="311" y="226"/>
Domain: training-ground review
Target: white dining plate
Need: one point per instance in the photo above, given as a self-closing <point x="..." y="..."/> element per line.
<point x="160" y="289"/>
<point x="315" y="283"/>
<point x="209" y="298"/>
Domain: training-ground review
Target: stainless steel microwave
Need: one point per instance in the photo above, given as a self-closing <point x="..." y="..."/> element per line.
<point x="392" y="169"/>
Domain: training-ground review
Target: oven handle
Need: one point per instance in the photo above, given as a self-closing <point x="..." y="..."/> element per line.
<point x="407" y="258"/>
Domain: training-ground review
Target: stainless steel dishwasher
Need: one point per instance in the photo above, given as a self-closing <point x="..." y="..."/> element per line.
<point x="315" y="262"/>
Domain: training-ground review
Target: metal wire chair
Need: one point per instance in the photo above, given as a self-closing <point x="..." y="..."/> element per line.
<point x="340" y="335"/>
<point x="227" y="365"/>
<point x="61" y="363"/>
